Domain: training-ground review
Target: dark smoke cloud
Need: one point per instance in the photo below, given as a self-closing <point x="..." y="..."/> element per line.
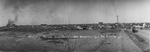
<point x="21" y="3"/>
<point x="56" y="13"/>
<point x="73" y="11"/>
<point x="18" y="4"/>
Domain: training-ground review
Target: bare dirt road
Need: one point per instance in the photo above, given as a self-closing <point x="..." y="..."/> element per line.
<point x="123" y="43"/>
<point x="128" y="45"/>
<point x="120" y="43"/>
<point x="145" y="34"/>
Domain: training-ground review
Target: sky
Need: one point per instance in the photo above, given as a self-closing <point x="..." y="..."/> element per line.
<point x="35" y="12"/>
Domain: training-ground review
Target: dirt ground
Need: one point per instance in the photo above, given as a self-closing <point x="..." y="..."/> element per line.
<point x="140" y="41"/>
<point x="114" y="40"/>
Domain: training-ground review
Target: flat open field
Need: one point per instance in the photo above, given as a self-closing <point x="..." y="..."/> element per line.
<point x="109" y="41"/>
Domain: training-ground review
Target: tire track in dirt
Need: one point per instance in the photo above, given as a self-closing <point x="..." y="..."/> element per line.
<point x="128" y="45"/>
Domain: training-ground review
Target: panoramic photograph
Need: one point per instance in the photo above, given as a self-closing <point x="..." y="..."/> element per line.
<point x="74" y="25"/>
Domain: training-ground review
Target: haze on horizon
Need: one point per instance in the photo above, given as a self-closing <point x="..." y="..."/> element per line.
<point x="33" y="12"/>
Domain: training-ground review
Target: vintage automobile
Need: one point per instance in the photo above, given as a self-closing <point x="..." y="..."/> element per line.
<point x="134" y="30"/>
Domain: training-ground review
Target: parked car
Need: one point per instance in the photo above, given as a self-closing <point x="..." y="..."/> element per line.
<point x="134" y="30"/>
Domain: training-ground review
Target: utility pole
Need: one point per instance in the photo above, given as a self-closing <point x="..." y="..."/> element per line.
<point x="67" y="21"/>
<point x="113" y="6"/>
<point x="117" y="18"/>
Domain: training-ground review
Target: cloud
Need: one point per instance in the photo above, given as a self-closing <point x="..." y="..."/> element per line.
<point x="73" y="11"/>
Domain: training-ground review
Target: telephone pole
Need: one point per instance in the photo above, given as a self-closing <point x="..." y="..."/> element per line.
<point x="117" y="19"/>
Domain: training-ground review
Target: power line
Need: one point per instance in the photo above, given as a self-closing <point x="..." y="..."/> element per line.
<point x="114" y="9"/>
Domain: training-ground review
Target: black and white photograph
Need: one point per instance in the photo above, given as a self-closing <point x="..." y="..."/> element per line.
<point x="74" y="25"/>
